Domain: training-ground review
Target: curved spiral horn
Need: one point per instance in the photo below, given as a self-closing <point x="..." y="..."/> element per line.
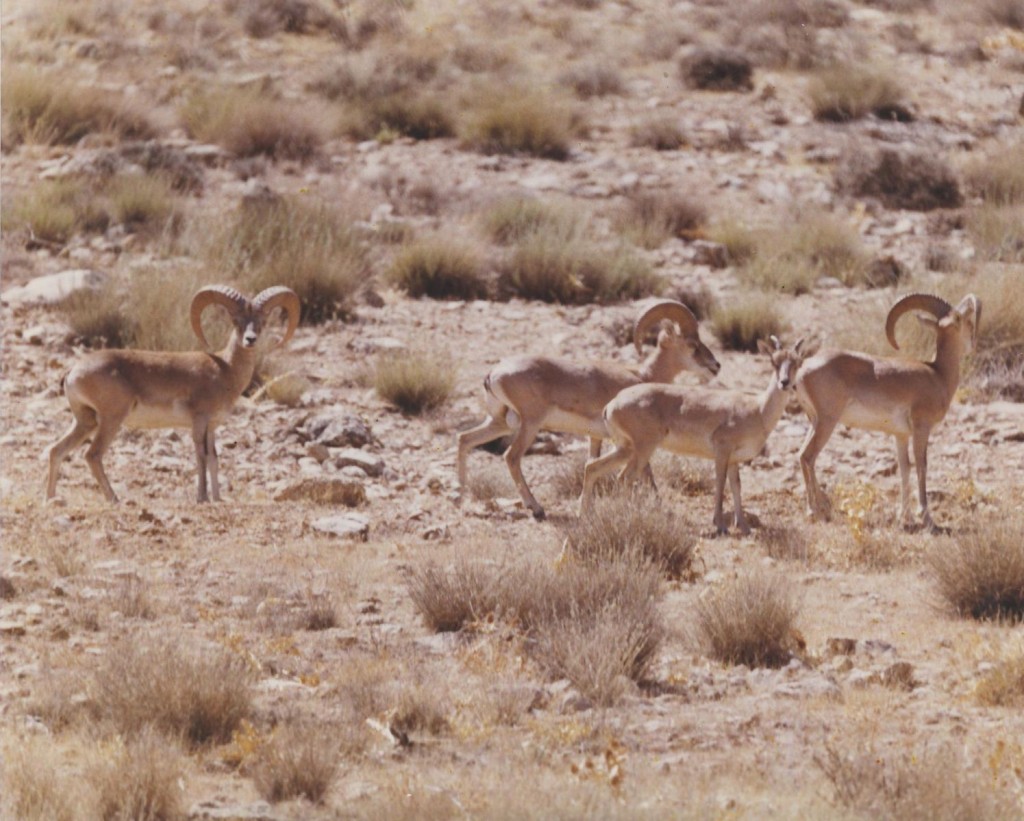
<point x="934" y="305"/>
<point x="665" y="309"/>
<point x="280" y="297"/>
<point x="223" y="295"/>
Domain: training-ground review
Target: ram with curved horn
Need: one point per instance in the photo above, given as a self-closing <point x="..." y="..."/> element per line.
<point x="528" y="394"/>
<point x="900" y="397"/>
<point x="163" y="389"/>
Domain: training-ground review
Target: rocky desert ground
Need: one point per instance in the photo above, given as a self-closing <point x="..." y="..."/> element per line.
<point x="283" y="654"/>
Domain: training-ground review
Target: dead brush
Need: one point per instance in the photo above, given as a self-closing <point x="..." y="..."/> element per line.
<point x="450" y="598"/>
<point x="662" y="133"/>
<point x="299" y="760"/>
<point x="439" y="268"/>
<point x="197" y="694"/>
<point x="929" y="783"/>
<point x="36" y="783"/>
<point x="651" y="218"/>
<point x="414" y="382"/>
<point x="981" y="573"/>
<point x="1003" y="685"/>
<point x="511" y="219"/>
<point x="997" y="232"/>
<point x="637" y="522"/>
<point x="510" y="122"/>
<point x="741" y="322"/>
<point x="848" y="92"/>
<point x="137" y="778"/>
<point x="910" y="179"/>
<point x="750" y="620"/>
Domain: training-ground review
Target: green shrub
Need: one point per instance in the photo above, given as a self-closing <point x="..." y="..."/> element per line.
<point x="414" y="382"/>
<point x="306" y="246"/>
<point x="439" y="269"/>
<point x="517" y="123"/>
<point x="40" y="108"/>
<point x="843" y="93"/>
<point x="543" y="266"/>
<point x="740" y="322"/>
<point x="248" y="122"/>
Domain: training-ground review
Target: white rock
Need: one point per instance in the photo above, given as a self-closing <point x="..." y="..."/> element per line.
<point x="344" y="525"/>
<point x="50" y="289"/>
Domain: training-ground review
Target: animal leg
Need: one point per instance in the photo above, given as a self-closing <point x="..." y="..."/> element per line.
<point x="84" y="424"/>
<point x="739" y="517"/>
<point x="513" y="458"/>
<point x="903" y="459"/>
<point x="200" y="434"/>
<point x="212" y="465"/>
<point x="106" y="430"/>
<point x="817" y="437"/>
<point x="600" y="467"/>
<point x="921" y="463"/>
<point x="493" y="427"/>
<point x="721" y="471"/>
<point x="595" y="447"/>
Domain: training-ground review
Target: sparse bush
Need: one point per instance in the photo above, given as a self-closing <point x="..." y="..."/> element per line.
<point x="439" y="269"/>
<point x="913" y="180"/>
<point x="54" y="211"/>
<point x="414" y="382"/>
<point x="663" y="133"/>
<point x="926" y="784"/>
<point x="717" y="70"/>
<point x="248" y="122"/>
<point x="594" y="80"/>
<point x="450" y="598"/>
<point x="650" y="218"/>
<point x="516" y="123"/>
<point x="265" y="18"/>
<point x="1009" y="13"/>
<point x="197" y="694"/>
<point x="997" y="232"/>
<point x="1003" y="685"/>
<point x="96" y="317"/>
<point x="999" y="179"/>
<point x="843" y="93"/>
<point x="750" y="620"/>
<point x="309" y="247"/>
<point x="137" y="779"/>
<point x="36" y="786"/>
<point x="981" y="573"/>
<point x="142" y="202"/>
<point x="416" y="115"/>
<point x="299" y="760"/>
<point x="741" y="322"/>
<point x="40" y="108"/>
<point x="545" y="267"/>
<point x="739" y="241"/>
<point x="627" y="522"/>
<point x="513" y="219"/>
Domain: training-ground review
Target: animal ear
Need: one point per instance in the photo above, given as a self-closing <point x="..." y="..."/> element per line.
<point x="798" y="347"/>
<point x="764" y="347"/>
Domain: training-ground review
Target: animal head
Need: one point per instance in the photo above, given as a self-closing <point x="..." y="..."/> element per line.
<point x="679" y="339"/>
<point x="785" y="361"/>
<point x="247" y="316"/>
<point x="934" y="312"/>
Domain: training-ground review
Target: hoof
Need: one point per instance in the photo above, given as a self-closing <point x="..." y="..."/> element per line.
<point x="539" y="515"/>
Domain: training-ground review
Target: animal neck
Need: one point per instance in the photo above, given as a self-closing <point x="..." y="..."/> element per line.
<point x="948" y="352"/>
<point x="239" y="360"/>
<point x="657" y="368"/>
<point x="773" y="403"/>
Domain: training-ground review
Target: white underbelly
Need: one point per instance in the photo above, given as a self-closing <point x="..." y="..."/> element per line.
<point x="865" y="417"/>
<point x="565" y="422"/>
<point x="174" y="415"/>
<point x="688" y="446"/>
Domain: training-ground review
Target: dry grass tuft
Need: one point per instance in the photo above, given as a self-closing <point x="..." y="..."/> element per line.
<point x="594" y="80"/>
<point x="931" y="784"/>
<point x="741" y="322"/>
<point x="913" y="180"/>
<point x="662" y="133"/>
<point x="414" y="382"/>
<point x="651" y="218"/>
<point x="249" y="122"/>
<point x="545" y="267"/>
<point x="717" y="70"/>
<point x="981" y="573"/>
<point x="518" y="123"/>
<point x="999" y="179"/>
<point x="308" y="246"/>
<point x="137" y="779"/>
<point x="997" y="232"/>
<point x="197" y="694"/>
<point x="1003" y="685"/>
<point x="450" y="598"/>
<point x="750" y="620"/>
<point x="41" y="108"/>
<point x="513" y="219"/>
<point x="440" y="269"/>
<point x="840" y="94"/>
<point x="299" y="760"/>
<point x="627" y="522"/>
<point x="36" y="783"/>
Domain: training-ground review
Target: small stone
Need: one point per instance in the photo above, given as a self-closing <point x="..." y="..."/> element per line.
<point x="899" y="676"/>
<point x="841" y="647"/>
<point x="367" y="463"/>
<point x="345" y="525"/>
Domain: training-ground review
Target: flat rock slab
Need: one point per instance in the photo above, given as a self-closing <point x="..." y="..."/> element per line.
<point x="53" y="288"/>
<point x="345" y="526"/>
